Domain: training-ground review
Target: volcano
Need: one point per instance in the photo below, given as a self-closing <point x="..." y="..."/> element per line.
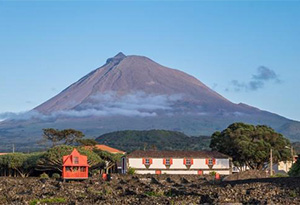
<point x="134" y="92"/>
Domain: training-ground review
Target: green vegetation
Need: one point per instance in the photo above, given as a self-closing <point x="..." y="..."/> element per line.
<point x="154" y="194"/>
<point x="44" y="176"/>
<point x="279" y="175"/>
<point x="250" y="145"/>
<point x="52" y="159"/>
<point x="67" y="136"/>
<point x="56" y="176"/>
<point x="18" y="164"/>
<point x="295" y="170"/>
<point x="130" y="140"/>
<point x="48" y="201"/>
<point x="87" y="142"/>
<point x="213" y="173"/>
<point x="131" y="171"/>
<point x="109" y="159"/>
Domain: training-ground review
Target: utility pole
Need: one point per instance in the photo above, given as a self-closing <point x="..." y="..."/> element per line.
<point x="271" y="162"/>
<point x="292" y="153"/>
<point x="13" y="147"/>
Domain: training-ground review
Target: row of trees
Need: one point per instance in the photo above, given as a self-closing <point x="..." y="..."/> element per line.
<point x="62" y="143"/>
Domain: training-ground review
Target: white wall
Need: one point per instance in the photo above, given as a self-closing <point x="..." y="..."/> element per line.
<point x="178" y="166"/>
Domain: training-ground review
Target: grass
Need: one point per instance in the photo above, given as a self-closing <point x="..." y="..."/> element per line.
<point x="48" y="201"/>
<point x="155" y="194"/>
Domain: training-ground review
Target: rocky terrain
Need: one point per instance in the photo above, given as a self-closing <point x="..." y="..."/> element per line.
<point x="149" y="190"/>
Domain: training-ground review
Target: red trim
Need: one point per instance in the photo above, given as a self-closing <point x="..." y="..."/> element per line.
<point x="192" y="161"/>
<point x="200" y="172"/>
<point x="164" y="161"/>
<point x="171" y="161"/>
<point x="214" y="161"/>
<point x="206" y="161"/>
<point x="150" y="160"/>
<point x="184" y="161"/>
<point x="144" y="160"/>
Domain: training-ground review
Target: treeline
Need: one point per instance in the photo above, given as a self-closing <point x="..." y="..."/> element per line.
<point x="130" y="140"/>
<point x="62" y="143"/>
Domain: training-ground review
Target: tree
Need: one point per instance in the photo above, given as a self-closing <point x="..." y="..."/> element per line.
<point x="52" y="135"/>
<point x="295" y="169"/>
<point x="52" y="159"/>
<point x="68" y="136"/>
<point x="87" y="142"/>
<point x="109" y="158"/>
<point x="250" y="145"/>
<point x="18" y="164"/>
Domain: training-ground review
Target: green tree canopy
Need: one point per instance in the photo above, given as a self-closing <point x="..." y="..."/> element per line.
<point x="295" y="170"/>
<point x="52" y="159"/>
<point x="109" y="158"/>
<point x="250" y="145"/>
<point x="67" y="136"/>
<point x="87" y="142"/>
<point x="23" y="164"/>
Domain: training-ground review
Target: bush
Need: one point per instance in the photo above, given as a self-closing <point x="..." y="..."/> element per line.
<point x="280" y="175"/>
<point x="56" y="176"/>
<point x="44" y="176"/>
<point x="48" y="201"/>
<point x="295" y="170"/>
<point x="213" y="173"/>
<point x="131" y="171"/>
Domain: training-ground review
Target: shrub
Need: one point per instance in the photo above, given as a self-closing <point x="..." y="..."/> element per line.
<point x="213" y="173"/>
<point x="56" y="176"/>
<point x="295" y="169"/>
<point x="48" y="201"/>
<point x="280" y="175"/>
<point x="131" y="171"/>
<point x="44" y="176"/>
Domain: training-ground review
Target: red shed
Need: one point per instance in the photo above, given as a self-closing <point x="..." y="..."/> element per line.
<point x="75" y="166"/>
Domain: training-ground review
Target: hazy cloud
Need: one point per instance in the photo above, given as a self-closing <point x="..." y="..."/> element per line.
<point x="138" y="104"/>
<point x="257" y="81"/>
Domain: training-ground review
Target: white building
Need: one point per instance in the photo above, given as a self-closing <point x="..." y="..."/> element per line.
<point x="177" y="162"/>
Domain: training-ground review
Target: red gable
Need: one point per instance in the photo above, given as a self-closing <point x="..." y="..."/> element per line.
<point x="75" y="159"/>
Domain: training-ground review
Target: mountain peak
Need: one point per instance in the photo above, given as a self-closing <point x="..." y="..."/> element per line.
<point x="117" y="58"/>
<point x="120" y="55"/>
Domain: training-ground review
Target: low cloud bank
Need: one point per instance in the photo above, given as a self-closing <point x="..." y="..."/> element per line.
<point x="108" y="104"/>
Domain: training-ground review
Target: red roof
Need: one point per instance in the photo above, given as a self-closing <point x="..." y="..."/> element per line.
<point x="70" y="160"/>
<point x="106" y="148"/>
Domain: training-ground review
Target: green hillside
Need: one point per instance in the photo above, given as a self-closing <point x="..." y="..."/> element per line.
<point x="130" y="140"/>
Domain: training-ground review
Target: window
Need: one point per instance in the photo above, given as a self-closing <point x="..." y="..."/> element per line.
<point x="210" y="162"/>
<point x="75" y="169"/>
<point x="68" y="169"/>
<point x="76" y="161"/>
<point x="188" y="162"/>
<point x="168" y="162"/>
<point x="82" y="169"/>
<point x="147" y="161"/>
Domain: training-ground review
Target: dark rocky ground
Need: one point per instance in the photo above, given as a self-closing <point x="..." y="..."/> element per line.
<point x="149" y="190"/>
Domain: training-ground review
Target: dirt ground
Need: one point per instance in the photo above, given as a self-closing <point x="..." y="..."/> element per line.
<point x="163" y="189"/>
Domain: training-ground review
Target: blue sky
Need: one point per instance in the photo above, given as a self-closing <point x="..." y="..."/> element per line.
<point x="46" y="46"/>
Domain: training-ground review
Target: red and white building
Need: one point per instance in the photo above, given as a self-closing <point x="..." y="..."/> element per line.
<point x="177" y="162"/>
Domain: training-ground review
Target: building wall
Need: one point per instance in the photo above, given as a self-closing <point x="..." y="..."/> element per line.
<point x="222" y="166"/>
<point x="170" y="171"/>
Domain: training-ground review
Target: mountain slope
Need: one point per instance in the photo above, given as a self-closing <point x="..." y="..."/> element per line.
<point x="136" y="93"/>
<point x="128" y="74"/>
